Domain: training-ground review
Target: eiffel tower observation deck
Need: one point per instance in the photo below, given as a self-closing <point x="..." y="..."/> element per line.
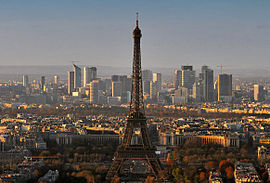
<point x="136" y="119"/>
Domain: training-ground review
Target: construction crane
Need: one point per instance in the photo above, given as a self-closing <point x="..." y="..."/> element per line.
<point x="221" y="67"/>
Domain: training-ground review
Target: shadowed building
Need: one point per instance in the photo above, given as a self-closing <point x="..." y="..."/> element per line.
<point x="207" y="77"/>
<point x="258" y="93"/>
<point x="77" y="76"/>
<point x="225" y="87"/>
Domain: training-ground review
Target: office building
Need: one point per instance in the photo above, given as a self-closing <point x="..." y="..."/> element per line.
<point x="89" y="74"/>
<point x="225" y="87"/>
<point x="70" y="82"/>
<point x="77" y="76"/>
<point x="146" y="88"/>
<point x="154" y="89"/>
<point x="147" y="75"/>
<point x="42" y="82"/>
<point x="25" y="81"/>
<point x="93" y="73"/>
<point x="115" y="78"/>
<point x="157" y="77"/>
<point x="123" y="80"/>
<point x="56" y="79"/>
<point x="181" y="96"/>
<point x="197" y="92"/>
<point x="258" y="93"/>
<point x="177" y="77"/>
<point x="94" y="92"/>
<point x="207" y="77"/>
<point x="116" y="89"/>
<point x="187" y="77"/>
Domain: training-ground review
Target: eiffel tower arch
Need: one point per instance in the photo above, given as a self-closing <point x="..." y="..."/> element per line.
<point x="136" y="120"/>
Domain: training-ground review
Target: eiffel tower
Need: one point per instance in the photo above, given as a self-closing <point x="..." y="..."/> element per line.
<point x="136" y="120"/>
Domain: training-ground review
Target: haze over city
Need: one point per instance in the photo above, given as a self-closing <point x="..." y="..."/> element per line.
<point x="232" y="33"/>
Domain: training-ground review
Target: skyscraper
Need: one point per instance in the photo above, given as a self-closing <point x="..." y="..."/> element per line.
<point x="146" y="87"/>
<point x="177" y="77"/>
<point x="89" y="74"/>
<point x="94" y="92"/>
<point x="207" y="84"/>
<point x="115" y="78"/>
<point x="154" y="89"/>
<point x="187" y="77"/>
<point x="225" y="87"/>
<point x="147" y="75"/>
<point x="116" y="89"/>
<point x="197" y="91"/>
<point x="25" y="81"/>
<point x="77" y="76"/>
<point x="147" y="78"/>
<point x="70" y="82"/>
<point x="157" y="78"/>
<point x="56" y="79"/>
<point x="42" y="82"/>
<point x="258" y="93"/>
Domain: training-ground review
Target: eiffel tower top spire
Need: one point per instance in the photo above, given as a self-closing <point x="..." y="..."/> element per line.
<point x="137" y="105"/>
<point x="137" y="19"/>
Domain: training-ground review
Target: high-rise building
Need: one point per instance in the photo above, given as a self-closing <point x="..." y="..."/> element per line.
<point x="177" y="79"/>
<point x="77" y="76"/>
<point x="197" y="91"/>
<point x="25" y="81"/>
<point x="154" y="89"/>
<point x="123" y="80"/>
<point x="94" y="92"/>
<point x="86" y="76"/>
<point x="42" y="83"/>
<point x="93" y="73"/>
<point x="181" y="96"/>
<point x="187" y="77"/>
<point x="56" y="79"/>
<point x="207" y="77"/>
<point x="89" y="74"/>
<point x="258" y="93"/>
<point x="115" y="78"/>
<point x="225" y="87"/>
<point x="70" y="82"/>
<point x="157" y="78"/>
<point x="146" y="88"/>
<point x="147" y="75"/>
<point x="116" y="89"/>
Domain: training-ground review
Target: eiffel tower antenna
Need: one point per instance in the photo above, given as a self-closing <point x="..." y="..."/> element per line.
<point x="136" y="119"/>
<point x="137" y="19"/>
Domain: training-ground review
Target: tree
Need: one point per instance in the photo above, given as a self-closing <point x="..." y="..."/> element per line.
<point x="210" y="165"/>
<point x="36" y="172"/>
<point x="229" y="172"/>
<point x="202" y="176"/>
<point x="222" y="163"/>
<point x="177" y="174"/>
<point x="149" y="179"/>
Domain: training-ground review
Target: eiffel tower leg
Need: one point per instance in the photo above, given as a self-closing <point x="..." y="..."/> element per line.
<point x="156" y="169"/>
<point x="145" y="136"/>
<point x="127" y="135"/>
<point x="114" y="169"/>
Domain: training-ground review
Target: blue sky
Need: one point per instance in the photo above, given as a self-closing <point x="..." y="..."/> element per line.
<point x="234" y="33"/>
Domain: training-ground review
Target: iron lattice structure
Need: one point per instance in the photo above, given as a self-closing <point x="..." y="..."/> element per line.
<point x="136" y="120"/>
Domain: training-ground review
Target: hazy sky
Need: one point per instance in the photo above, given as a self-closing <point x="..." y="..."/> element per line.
<point x="97" y="32"/>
